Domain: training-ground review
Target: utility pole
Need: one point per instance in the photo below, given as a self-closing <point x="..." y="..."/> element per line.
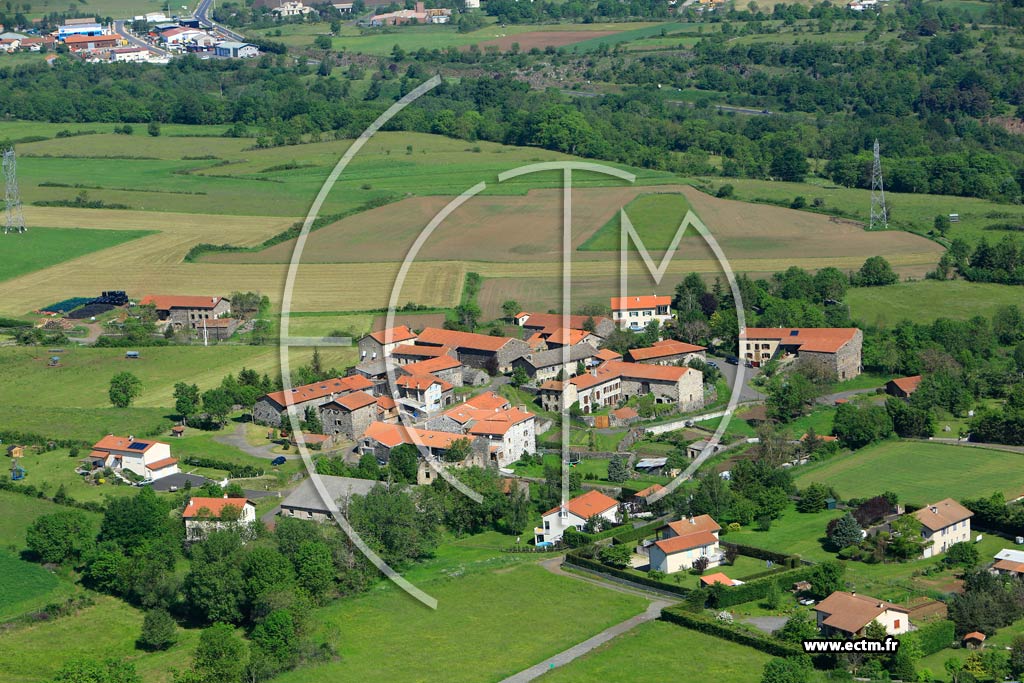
<point x="879" y="214"/>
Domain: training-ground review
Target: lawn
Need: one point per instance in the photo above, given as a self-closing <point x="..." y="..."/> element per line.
<point x="86" y="424"/>
<point x="660" y="651"/>
<point x="795" y="533"/>
<point x="487" y="625"/>
<point x="54" y="468"/>
<point x="926" y="300"/>
<point x="19" y="511"/>
<point x="43" y="247"/>
<point x="656" y="217"/>
<point x="919" y="472"/>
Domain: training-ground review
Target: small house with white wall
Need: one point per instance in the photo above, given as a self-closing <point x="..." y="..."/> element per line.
<point x="575" y="513"/>
<point x="848" y="614"/>
<point x="685" y="541"/>
<point x="204" y="515"/>
<point x="150" y="460"/>
<point x="943" y="524"/>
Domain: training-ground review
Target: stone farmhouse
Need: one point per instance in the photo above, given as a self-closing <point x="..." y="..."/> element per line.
<point x="349" y="415"/>
<point x="305" y="501"/>
<point x="476" y="350"/>
<point x="443" y="367"/>
<point x="270" y="408"/>
<point x="834" y="351"/>
<point x="379" y="345"/>
<point x="669" y="384"/>
<point x="509" y="432"/>
<point x="943" y="524"/>
<point x="187" y="312"/>
<point x="668" y="352"/>
<point x="380" y="439"/>
<point x="541" y="366"/>
<point x="848" y="614"/>
<point x="150" y="460"/>
<point x="575" y="513"/>
<point x="403" y="354"/>
<point x="546" y="324"/>
<point x="567" y="337"/>
<point x="634" y="312"/>
<point x="902" y="387"/>
<point x="684" y="541"/>
<point x="203" y="515"/>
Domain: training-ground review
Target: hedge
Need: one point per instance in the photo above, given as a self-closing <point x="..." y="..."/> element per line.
<point x="762" y="554"/>
<point x="933" y="636"/>
<point x="757" y="589"/>
<point x="719" y="629"/>
<point x="593" y="565"/>
<point x="234" y="471"/>
<point x="624" y="534"/>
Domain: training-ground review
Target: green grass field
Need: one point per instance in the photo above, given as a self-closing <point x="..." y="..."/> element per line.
<point x="638" y="33"/>
<point x="54" y="468"/>
<point x="919" y="472"/>
<point x="42" y="247"/>
<point x="659" y="651"/>
<point x="926" y="300"/>
<point x="655" y="217"/>
<point x="797" y="533"/>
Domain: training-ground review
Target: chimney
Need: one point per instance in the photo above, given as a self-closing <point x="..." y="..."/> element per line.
<point x="213" y="300"/>
<point x="692" y="520"/>
<point x="131" y="438"/>
<point x="934" y="510"/>
<point x="225" y="496"/>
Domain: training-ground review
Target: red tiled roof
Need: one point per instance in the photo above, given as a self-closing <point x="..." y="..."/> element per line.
<point x="653" y="488"/>
<point x="820" y="339"/>
<point x="488" y="401"/>
<point x="632" y="303"/>
<point x="424" y="351"/>
<point x="946" y="512"/>
<point x="685" y="526"/>
<point x="678" y="544"/>
<point x="310" y="392"/>
<point x="566" y="337"/>
<point x="822" y="437"/>
<point x="850" y="613"/>
<point x="84" y="40"/>
<point x="608" y="354"/>
<point x="667" y="347"/>
<point x="396" y="435"/>
<point x="386" y="402"/>
<point x="625" y="413"/>
<point x="589" y="504"/>
<point x="432" y="365"/>
<point x="550" y="322"/>
<point x="214" y="505"/>
<point x="907" y="384"/>
<point x="659" y="373"/>
<point x="160" y="464"/>
<point x="974" y="635"/>
<point x="717" y="577"/>
<point x="1009" y="566"/>
<point x="496" y="424"/>
<point x="433" y="336"/>
<point x="165" y="302"/>
<point x="355" y="400"/>
<point x="120" y="443"/>
<point x="398" y="334"/>
<point x="421" y="382"/>
<point x="587" y="380"/>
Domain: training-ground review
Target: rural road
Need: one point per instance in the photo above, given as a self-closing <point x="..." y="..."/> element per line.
<point x="652" y="612"/>
<point x="120" y="30"/>
<point x="202" y="14"/>
<point x="238" y="440"/>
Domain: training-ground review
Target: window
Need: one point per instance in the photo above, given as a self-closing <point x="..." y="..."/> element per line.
<point x="896" y="624"/>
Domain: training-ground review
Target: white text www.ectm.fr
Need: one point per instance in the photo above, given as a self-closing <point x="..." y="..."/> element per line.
<point x="888" y="645"/>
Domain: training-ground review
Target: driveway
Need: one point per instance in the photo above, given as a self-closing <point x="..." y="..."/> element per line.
<point x="728" y="370"/>
<point x="766" y="624"/>
<point x="830" y="399"/>
<point x="238" y="440"/>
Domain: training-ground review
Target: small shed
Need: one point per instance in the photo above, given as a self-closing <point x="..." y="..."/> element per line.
<point x="16" y="451"/>
<point x="830" y="503"/>
<point x="975" y="640"/>
<point x="178" y="431"/>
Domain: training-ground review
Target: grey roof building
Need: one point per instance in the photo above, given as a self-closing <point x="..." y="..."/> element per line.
<point x="305" y="502"/>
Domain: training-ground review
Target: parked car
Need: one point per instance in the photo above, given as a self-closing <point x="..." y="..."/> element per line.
<point x="712" y="364"/>
<point x="279" y="460"/>
<point x="732" y="360"/>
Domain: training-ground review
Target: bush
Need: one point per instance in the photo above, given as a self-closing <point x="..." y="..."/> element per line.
<point x="721" y="629"/>
<point x="158" y="630"/>
<point x="579" y="559"/>
<point x="933" y="637"/>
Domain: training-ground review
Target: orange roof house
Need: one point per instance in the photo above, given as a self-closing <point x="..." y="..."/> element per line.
<point x="902" y="387"/>
<point x="212" y="506"/>
<point x="820" y="339"/>
<point x="589" y="504"/>
<point x="848" y="614"/>
<point x="666" y="348"/>
<point x="632" y="303"/>
<point x="166" y="302"/>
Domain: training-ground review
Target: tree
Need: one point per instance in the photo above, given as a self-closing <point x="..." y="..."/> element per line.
<point x="790" y="165"/>
<point x="275" y="640"/>
<point x="875" y="272"/>
<point x="124" y="388"/>
<point x="153" y="128"/>
<point x="158" y="630"/>
<point x="186" y="400"/>
<point x="90" y="670"/>
<point x="1017" y="656"/>
<point x="510" y="308"/>
<point x="798" y="628"/>
<point x="220" y="656"/>
<point x="322" y="42"/>
<point x="519" y="377"/>
<point x="458" y="451"/>
<point x="962" y="554"/>
<point x="773" y="596"/>
<point x="390" y="523"/>
<point x="857" y="426"/>
<point x="827" y="578"/>
<point x="812" y="498"/>
<point x="517" y="512"/>
<point x="312" y="423"/>
<point x="942" y="224"/>
<point x="701" y="564"/>
<point x="266" y="573"/>
<point x="61" y="537"/>
<point x="844" y="532"/>
<point x="404" y="463"/>
<point x="617" y="556"/>
<point x="368" y="467"/>
<point x="314" y="570"/>
<point x="905" y="538"/>
<point x="618" y="471"/>
<point x="217" y="404"/>
<point x="788" y="396"/>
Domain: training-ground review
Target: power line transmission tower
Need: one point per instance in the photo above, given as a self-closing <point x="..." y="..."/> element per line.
<point x="15" y="219"/>
<point x="879" y="215"/>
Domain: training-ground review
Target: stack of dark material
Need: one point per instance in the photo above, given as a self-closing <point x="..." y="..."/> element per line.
<point x="115" y="297"/>
<point x="90" y="310"/>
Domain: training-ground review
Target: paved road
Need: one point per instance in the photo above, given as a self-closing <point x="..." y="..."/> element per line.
<point x="728" y="370"/>
<point x="830" y="399"/>
<point x="120" y="30"/>
<point x="238" y="440"/>
<point x="652" y="612"/>
<point x="975" y="444"/>
<point x="202" y="14"/>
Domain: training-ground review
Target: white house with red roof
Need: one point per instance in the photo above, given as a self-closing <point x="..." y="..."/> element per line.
<point x="150" y="460"/>
<point x="575" y="513"/>
<point x="380" y="438"/>
<point x="380" y="344"/>
<point x="509" y="431"/>
<point x="635" y="312"/>
<point x="203" y="515"/>
<point x="423" y="395"/>
<point x="683" y="542"/>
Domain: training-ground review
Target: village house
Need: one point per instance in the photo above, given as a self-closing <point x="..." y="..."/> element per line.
<point x="380" y="439"/>
<point x="668" y="352"/>
<point x="832" y="351"/>
<point x="541" y="366"/>
<point x="697" y="447"/>
<point x="546" y="324"/>
<point x="203" y="515"/>
<point x="271" y="408"/>
<point x="848" y="614"/>
<point x="902" y="387"/>
<point x="943" y="524"/>
<point x="443" y="367"/>
<point x="420" y="15"/>
<point x="634" y="312"/>
<point x="349" y="415"/>
<point x="380" y="344"/>
<point x="403" y="354"/>
<point x="681" y="386"/>
<point x="1008" y="561"/>
<point x="568" y="337"/>
<point x="575" y="514"/>
<point x="494" y="354"/>
<point x="682" y="542"/>
<point x="291" y="9"/>
<point x="149" y="460"/>
<point x="624" y="416"/>
<point x="423" y="395"/>
<point x="305" y="501"/>
<point x="510" y="432"/>
<point x="187" y="312"/>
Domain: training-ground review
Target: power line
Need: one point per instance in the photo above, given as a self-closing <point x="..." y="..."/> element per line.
<point x="879" y="214"/>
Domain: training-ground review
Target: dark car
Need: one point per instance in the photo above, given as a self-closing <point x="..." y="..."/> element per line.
<point x="279" y="460"/>
<point x="732" y="360"/>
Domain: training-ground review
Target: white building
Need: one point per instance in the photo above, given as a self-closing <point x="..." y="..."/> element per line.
<point x="150" y="460"/>
<point x="180" y="36"/>
<point x="203" y="515"/>
<point x="575" y="514"/>
<point x="291" y="9"/>
<point x="943" y="524"/>
<point x="129" y="54"/>
<point x="634" y="312"/>
<point x="685" y="541"/>
<point x="152" y="18"/>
